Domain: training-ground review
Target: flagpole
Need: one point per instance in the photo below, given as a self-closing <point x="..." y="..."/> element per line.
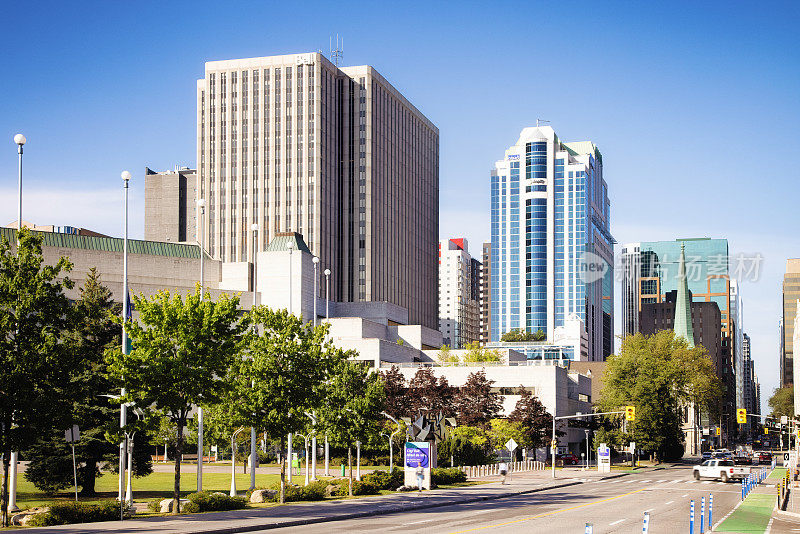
<point x="126" y="176"/>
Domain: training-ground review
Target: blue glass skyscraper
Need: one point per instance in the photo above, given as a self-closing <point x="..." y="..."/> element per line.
<point x="552" y="251"/>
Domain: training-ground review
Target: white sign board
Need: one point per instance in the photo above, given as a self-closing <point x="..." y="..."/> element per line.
<point x="603" y="459"/>
<point x="633" y="446"/>
<point x="511" y="445"/>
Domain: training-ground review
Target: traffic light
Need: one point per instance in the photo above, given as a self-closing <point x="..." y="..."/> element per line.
<point x="630" y="413"/>
<point x="719" y="431"/>
<point x="741" y="416"/>
<point x="766" y="430"/>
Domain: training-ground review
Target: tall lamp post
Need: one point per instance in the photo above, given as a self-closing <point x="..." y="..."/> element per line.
<point x="254" y="228"/>
<point x="123" y="416"/>
<point x="20" y="140"/>
<point x="201" y="203"/>
<point x="315" y="261"/>
<point x="327" y="293"/>
<point x="391" y="437"/>
<point x="313" y="418"/>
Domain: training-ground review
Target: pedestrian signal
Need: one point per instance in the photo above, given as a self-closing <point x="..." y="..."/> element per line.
<point x="630" y="413"/>
<point x="741" y="416"/>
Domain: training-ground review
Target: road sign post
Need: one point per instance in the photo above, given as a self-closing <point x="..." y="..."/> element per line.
<point x="71" y="436"/>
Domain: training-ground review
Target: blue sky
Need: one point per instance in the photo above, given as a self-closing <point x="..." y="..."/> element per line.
<point x="693" y="104"/>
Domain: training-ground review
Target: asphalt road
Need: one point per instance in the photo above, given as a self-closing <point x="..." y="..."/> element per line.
<point x="615" y="505"/>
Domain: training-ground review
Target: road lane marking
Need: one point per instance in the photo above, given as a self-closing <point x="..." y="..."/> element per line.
<point x="616" y="522"/>
<point x="418" y="522"/>
<point x="552" y="512"/>
<point x="685" y="495"/>
<point x="670" y="502"/>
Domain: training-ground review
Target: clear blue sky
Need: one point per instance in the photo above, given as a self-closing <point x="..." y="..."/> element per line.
<point x="693" y="104"/>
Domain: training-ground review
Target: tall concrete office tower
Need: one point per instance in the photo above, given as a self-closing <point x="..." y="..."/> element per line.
<point x="459" y="294"/>
<point x="550" y="218"/>
<point x="791" y="292"/>
<point x="294" y="143"/>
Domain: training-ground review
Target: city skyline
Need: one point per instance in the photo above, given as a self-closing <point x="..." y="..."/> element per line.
<point x="638" y="107"/>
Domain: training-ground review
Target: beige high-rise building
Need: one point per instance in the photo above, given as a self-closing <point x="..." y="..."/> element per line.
<point x="791" y="293"/>
<point x="169" y="205"/>
<point x="294" y="143"/>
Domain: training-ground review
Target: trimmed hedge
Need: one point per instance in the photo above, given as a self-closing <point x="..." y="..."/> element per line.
<point x="66" y="513"/>
<point x="443" y="476"/>
<point x="359" y="488"/>
<point x="209" y="501"/>
<point x="385" y="480"/>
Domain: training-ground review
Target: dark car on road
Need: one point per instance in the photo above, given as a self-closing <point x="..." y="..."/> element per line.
<point x="567" y="459"/>
<point x="764" y="457"/>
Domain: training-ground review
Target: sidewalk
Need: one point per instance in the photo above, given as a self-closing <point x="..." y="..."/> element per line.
<point x="318" y="512"/>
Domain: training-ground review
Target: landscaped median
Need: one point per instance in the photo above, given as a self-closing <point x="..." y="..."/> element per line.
<point x="753" y="514"/>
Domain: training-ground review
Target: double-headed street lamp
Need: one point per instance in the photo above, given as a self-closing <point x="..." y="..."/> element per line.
<point x="20" y="140"/>
<point x="391" y="437"/>
<point x="254" y="228"/>
<point x="201" y="203"/>
<point x="123" y="416"/>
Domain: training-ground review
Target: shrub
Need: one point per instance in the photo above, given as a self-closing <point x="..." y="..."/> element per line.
<point x="385" y="480"/>
<point x="441" y="476"/>
<point x="359" y="488"/>
<point x="208" y="501"/>
<point x="66" y="513"/>
<point x="315" y="491"/>
<point x="154" y="505"/>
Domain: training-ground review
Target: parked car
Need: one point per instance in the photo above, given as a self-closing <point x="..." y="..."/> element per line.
<point x="742" y="457"/>
<point x="764" y="457"/>
<point x="567" y="459"/>
<point x="707" y="455"/>
<point x="722" y="469"/>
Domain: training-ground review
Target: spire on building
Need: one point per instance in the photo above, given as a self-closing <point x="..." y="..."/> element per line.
<point x="683" y="304"/>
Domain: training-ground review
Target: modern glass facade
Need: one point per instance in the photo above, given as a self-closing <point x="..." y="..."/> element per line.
<point x="566" y="216"/>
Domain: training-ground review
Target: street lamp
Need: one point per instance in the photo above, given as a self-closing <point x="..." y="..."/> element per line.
<point x="391" y="457"/>
<point x="313" y="437"/>
<point x="20" y="140"/>
<point x="290" y="246"/>
<point x="233" y="462"/>
<point x="305" y="437"/>
<point x="315" y="261"/>
<point x="327" y="293"/>
<point x="123" y="416"/>
<point x="129" y="437"/>
<point x="201" y="203"/>
<point x="254" y="228"/>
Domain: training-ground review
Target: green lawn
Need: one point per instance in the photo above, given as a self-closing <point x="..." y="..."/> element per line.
<point x="146" y="488"/>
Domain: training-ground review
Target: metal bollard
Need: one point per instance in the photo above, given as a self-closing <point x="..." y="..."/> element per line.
<point x="646" y="524"/>
<point x="710" y="510"/>
<point x="691" y="517"/>
<point x="702" y="513"/>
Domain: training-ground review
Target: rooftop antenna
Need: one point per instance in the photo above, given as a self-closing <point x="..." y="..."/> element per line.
<point x="336" y="53"/>
<point x="540" y="122"/>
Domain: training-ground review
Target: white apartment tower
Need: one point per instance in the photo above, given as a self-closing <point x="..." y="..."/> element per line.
<point x="294" y="143"/>
<point x="459" y="294"/>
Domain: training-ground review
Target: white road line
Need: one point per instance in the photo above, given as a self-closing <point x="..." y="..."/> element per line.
<point x="616" y="522"/>
<point x="644" y="481"/>
<point x="418" y="522"/>
<point x="670" y="502"/>
<point x="685" y="495"/>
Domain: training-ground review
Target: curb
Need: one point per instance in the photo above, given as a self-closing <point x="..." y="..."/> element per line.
<point x="387" y="511"/>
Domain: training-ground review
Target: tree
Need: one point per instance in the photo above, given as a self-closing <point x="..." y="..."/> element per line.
<point x="659" y="375"/>
<point x="351" y="411"/>
<point x="279" y="376"/>
<point x="782" y="402"/>
<point x="477" y="354"/>
<point x="446" y="356"/>
<point x="476" y="403"/>
<point x="518" y="334"/>
<point x="429" y="395"/>
<point x="34" y="361"/>
<point x="182" y="350"/>
<point x="466" y="445"/>
<point x="394" y="386"/>
<point x="502" y="430"/>
<point x="536" y="421"/>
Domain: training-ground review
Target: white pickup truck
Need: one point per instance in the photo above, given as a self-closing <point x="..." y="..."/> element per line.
<point x="722" y="469"/>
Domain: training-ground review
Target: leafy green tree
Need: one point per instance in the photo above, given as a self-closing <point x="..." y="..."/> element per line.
<point x="182" y="350"/>
<point x="466" y="445"/>
<point x="279" y="377"/>
<point x="353" y="398"/>
<point x="34" y="360"/>
<point x="477" y="354"/>
<point x="536" y="422"/>
<point x="502" y="430"/>
<point x="446" y="356"/>
<point x="782" y="402"/>
<point x="476" y="404"/>
<point x="659" y="375"/>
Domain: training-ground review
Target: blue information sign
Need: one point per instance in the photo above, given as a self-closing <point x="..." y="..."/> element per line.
<point x="417" y="452"/>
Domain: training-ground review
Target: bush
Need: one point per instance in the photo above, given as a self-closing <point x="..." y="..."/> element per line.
<point x="315" y="491"/>
<point x="441" y="476"/>
<point x="208" y="501"/>
<point x="66" y="513"/>
<point x="359" y="488"/>
<point x="385" y="480"/>
<point x="154" y="505"/>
